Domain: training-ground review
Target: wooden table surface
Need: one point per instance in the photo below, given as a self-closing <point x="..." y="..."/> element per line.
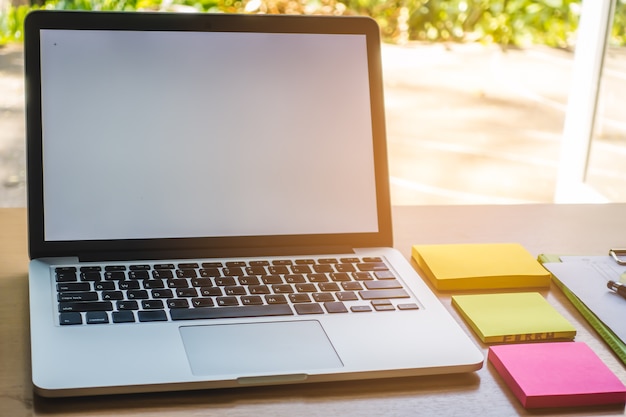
<point x="570" y="229"/>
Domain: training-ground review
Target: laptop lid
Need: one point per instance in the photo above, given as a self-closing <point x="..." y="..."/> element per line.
<point x="189" y="135"/>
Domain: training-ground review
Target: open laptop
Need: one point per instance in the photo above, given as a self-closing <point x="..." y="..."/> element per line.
<point x="208" y="207"/>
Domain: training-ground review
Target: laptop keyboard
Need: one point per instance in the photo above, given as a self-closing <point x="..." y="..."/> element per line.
<point x="147" y="292"/>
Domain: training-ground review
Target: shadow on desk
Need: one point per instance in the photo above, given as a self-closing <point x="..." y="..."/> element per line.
<point x="319" y="398"/>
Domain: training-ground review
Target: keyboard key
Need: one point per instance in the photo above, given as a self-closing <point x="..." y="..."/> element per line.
<point x="282" y="289"/>
<point x="77" y="296"/>
<point x="231" y="312"/>
<point x="317" y="278"/>
<point x="301" y="269"/>
<point x="340" y="276"/>
<point x="115" y="268"/>
<point x="211" y="291"/>
<point x="224" y="281"/>
<point x="202" y="282"/>
<point x="362" y="276"/>
<point x="335" y="307"/>
<point x="73" y="286"/>
<point x="123" y="317"/>
<point x="372" y="266"/>
<point x="178" y="303"/>
<point x="128" y="285"/>
<point x="248" y="300"/>
<point x="85" y="306"/>
<point x="141" y="274"/>
<point x="188" y="265"/>
<point x="186" y="292"/>
<point x="327" y="261"/>
<point x="360" y="309"/>
<point x="248" y="280"/>
<point x="127" y="305"/>
<point x="162" y="293"/>
<point x="153" y="284"/>
<point x="210" y="272"/>
<point x="346" y="296"/>
<point x="66" y="276"/>
<point x="235" y="290"/>
<point x="90" y="276"/>
<point x="322" y="297"/>
<point x="323" y="268"/>
<point x="202" y="302"/>
<point x="329" y="286"/>
<point x="382" y="285"/>
<point x="294" y="278"/>
<point x="383" y="305"/>
<point x="255" y="270"/>
<point x="278" y="269"/>
<point x="227" y="301"/>
<point x="115" y="276"/>
<point x="351" y="286"/>
<point x="384" y="275"/>
<point x="177" y="283"/>
<point x="383" y="294"/>
<point x="212" y="265"/>
<point x="275" y="299"/>
<point x="308" y="308"/>
<point x="97" y="317"/>
<point x="90" y="268"/>
<point x="349" y="260"/>
<point x="372" y="259"/>
<point x="137" y="294"/>
<point x="233" y="271"/>
<point x="164" y="266"/>
<point x="408" y="306"/>
<point x="103" y="285"/>
<point x="162" y="274"/>
<point x="112" y="295"/>
<point x="186" y="273"/>
<point x="306" y="288"/>
<point x="155" y="315"/>
<point x="259" y="289"/>
<point x="66" y="319"/>
<point x="345" y="268"/>
<point x="299" y="298"/>
<point x="139" y="267"/>
<point x="152" y="304"/>
<point x="272" y="279"/>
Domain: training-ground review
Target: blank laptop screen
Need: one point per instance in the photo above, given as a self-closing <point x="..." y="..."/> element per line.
<point x="199" y="134"/>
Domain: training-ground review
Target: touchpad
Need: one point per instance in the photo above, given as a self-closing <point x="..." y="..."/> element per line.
<point x="258" y="348"/>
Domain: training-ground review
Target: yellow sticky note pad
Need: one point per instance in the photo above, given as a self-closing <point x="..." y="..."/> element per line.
<point x="480" y="266"/>
<point x="513" y="317"/>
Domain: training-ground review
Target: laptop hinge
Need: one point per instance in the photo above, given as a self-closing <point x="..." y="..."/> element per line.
<point x="213" y="253"/>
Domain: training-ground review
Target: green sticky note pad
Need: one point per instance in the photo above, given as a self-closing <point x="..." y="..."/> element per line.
<point x="513" y="318"/>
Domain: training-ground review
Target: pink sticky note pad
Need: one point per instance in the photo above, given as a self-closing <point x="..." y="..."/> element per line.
<point x="562" y="374"/>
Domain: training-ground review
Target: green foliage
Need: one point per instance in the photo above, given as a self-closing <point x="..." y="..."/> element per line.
<point x="12" y="24"/>
<point x="506" y="22"/>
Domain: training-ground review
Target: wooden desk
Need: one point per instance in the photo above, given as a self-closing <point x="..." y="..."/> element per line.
<point x="589" y="229"/>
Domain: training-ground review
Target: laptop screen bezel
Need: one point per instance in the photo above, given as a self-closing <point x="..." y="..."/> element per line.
<point x="205" y="246"/>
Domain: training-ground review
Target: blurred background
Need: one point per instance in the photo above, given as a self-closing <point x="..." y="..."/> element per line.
<point x="487" y="102"/>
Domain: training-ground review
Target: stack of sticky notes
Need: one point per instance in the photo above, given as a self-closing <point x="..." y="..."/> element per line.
<point x="480" y="266"/>
<point x="513" y="317"/>
<point x="556" y="375"/>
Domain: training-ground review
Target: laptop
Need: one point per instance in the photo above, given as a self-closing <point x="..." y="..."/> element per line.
<point x="208" y="207"/>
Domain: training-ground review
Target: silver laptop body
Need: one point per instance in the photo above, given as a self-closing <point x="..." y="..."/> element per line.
<point x="208" y="207"/>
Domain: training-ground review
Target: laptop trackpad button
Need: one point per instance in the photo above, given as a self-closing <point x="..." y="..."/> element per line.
<point x="272" y="348"/>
